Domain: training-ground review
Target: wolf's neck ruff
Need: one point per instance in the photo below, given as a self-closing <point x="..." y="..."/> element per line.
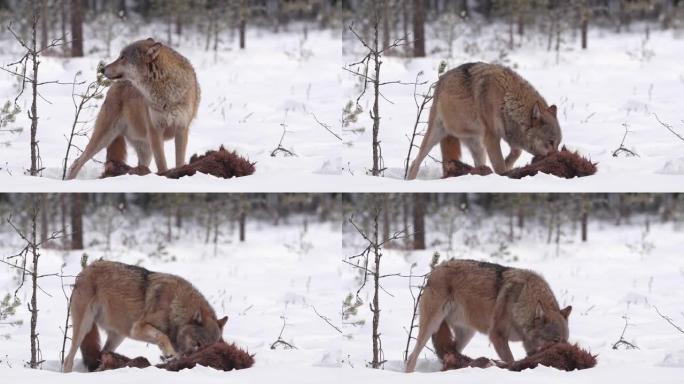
<point x="519" y="98"/>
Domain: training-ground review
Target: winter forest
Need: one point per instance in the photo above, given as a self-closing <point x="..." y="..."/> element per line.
<point x="307" y="191"/>
<point x="611" y="68"/>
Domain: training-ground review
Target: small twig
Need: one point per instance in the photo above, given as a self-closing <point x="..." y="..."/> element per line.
<point x="280" y="147"/>
<point x="622" y="147"/>
<point x="280" y="340"/>
<point x="326" y="126"/>
<point x="669" y="127"/>
<point x="668" y="319"/>
<point x="622" y="340"/>
<point x="326" y="319"/>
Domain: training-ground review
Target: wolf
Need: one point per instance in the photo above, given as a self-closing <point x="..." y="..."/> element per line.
<point x="130" y="301"/>
<point x="462" y="297"/>
<point x="154" y="98"/>
<point x="481" y="104"/>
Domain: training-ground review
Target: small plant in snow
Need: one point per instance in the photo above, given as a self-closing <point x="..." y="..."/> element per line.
<point x="350" y="308"/>
<point x="350" y="115"/>
<point x="162" y="253"/>
<point x="643" y="246"/>
<point x="8" y="308"/>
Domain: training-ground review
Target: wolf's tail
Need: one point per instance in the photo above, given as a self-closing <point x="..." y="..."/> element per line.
<point x="451" y="151"/>
<point x="90" y="349"/>
<point x="443" y="341"/>
<point x="116" y="151"/>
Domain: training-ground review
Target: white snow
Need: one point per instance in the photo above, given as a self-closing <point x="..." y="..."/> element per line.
<point x="247" y="97"/>
<point x="597" y="91"/>
<point x="604" y="279"/>
<point x="283" y="270"/>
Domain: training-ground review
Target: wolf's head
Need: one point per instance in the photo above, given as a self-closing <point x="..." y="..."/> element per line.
<point x="543" y="136"/>
<point x="201" y="331"/>
<point x="548" y="327"/>
<point x="133" y="61"/>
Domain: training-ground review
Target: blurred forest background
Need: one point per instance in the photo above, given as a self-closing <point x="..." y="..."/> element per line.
<point x="65" y="19"/>
<point x="555" y="23"/>
<point x="429" y="221"/>
<point x="78" y="221"/>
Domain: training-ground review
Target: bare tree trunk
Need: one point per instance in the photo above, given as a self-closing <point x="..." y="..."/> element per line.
<point x="43" y="24"/>
<point x="385" y="216"/>
<point x="585" y="31"/>
<point x="76" y="221"/>
<point x="35" y="346"/>
<point x="375" y="171"/>
<point x="405" y="23"/>
<point x="385" y="24"/>
<point x="242" y="219"/>
<point x="242" y="27"/>
<point x="77" y="28"/>
<point x="419" y="28"/>
<point x="63" y="208"/>
<point x="44" y="217"/>
<point x="35" y="154"/>
<point x="419" y="220"/>
<point x="63" y="5"/>
<point x="375" y="308"/>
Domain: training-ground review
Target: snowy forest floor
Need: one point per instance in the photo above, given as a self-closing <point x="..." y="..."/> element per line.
<point x="281" y="81"/>
<point x="620" y="82"/>
<point x="279" y="273"/>
<point x="622" y="273"/>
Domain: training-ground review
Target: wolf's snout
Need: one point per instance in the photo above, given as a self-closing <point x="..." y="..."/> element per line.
<point x="110" y="73"/>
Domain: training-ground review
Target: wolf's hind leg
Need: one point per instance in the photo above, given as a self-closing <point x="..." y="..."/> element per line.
<point x="431" y="317"/>
<point x="434" y="135"/>
<point x="83" y="320"/>
<point x="114" y="339"/>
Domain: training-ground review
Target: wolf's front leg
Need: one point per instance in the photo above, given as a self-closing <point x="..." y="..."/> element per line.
<point x="512" y="157"/>
<point x="499" y="339"/>
<point x="157" y="144"/>
<point x="493" y="145"/>
<point x="144" y="331"/>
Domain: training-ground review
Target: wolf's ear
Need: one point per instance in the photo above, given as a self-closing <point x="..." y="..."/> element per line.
<point x="197" y="317"/>
<point x="222" y="321"/>
<point x="153" y="52"/>
<point x="538" y="311"/>
<point x="565" y="312"/>
<point x="151" y="40"/>
<point x="536" y="112"/>
<point x="554" y="110"/>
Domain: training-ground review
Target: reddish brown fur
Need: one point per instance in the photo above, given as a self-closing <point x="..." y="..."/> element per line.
<point x="220" y="355"/>
<point x="221" y="163"/>
<point x="462" y="297"/>
<point x="90" y="349"/>
<point x="564" y="163"/>
<point x="563" y="356"/>
<point x="127" y="301"/>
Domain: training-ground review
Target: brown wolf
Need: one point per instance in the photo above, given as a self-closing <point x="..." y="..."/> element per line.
<point x="155" y="98"/>
<point x="480" y="104"/>
<point x="130" y="301"/>
<point x="508" y="304"/>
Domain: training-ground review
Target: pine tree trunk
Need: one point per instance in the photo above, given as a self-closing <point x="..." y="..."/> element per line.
<point x="77" y="28"/>
<point x="419" y="220"/>
<point x="419" y="28"/>
<point x="76" y="221"/>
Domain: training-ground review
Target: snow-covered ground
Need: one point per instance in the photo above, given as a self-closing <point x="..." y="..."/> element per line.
<point x="615" y="274"/>
<point x="280" y="271"/>
<point x="280" y="80"/>
<point x="622" y="80"/>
